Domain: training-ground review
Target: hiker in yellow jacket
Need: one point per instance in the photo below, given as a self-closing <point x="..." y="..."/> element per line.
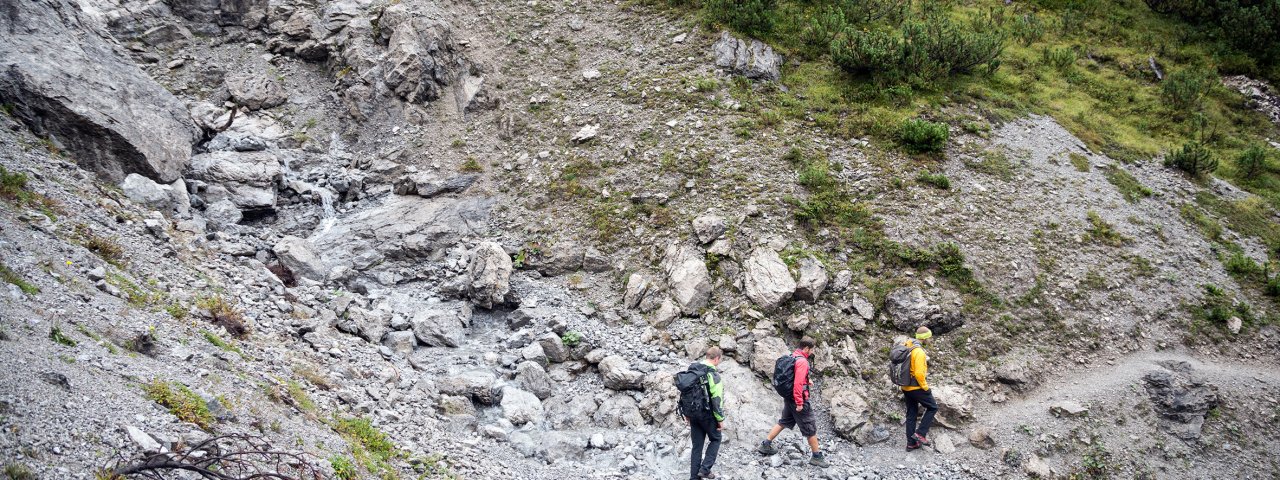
<point x="917" y="394"/>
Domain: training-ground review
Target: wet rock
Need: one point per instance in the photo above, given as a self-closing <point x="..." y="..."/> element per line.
<point x="255" y="91"/>
<point x="688" y="277"/>
<point x="813" y="280"/>
<point x="532" y="377"/>
<point x="618" y="375"/>
<point x="752" y="59"/>
<point x="708" y="228"/>
<point x="67" y="84"/>
<point x="488" y="275"/>
<point x="520" y="407"/>
<point x="442" y="326"/>
<point x="766" y="280"/>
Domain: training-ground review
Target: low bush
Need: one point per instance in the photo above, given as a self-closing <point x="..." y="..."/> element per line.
<point x="920" y="136"/>
<point x="1194" y="158"/>
<point x="224" y="314"/>
<point x="58" y="337"/>
<point x="1185" y="89"/>
<point x="1252" y="161"/>
<point x="921" y="51"/>
<point x="936" y="180"/>
<point x="752" y="17"/>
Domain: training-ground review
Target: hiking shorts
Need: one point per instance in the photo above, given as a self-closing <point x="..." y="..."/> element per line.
<point x="803" y="418"/>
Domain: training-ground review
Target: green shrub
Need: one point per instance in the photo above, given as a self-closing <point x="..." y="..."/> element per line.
<point x="1028" y="28"/>
<point x="1239" y="264"/>
<point x="1185" y="89"/>
<point x="571" y="338"/>
<point x="921" y="136"/>
<point x="217" y="341"/>
<point x="362" y="432"/>
<point x="17" y="471"/>
<point x="752" y="17"/>
<point x="936" y="180"/>
<point x="920" y="51"/>
<point x="1252" y="161"/>
<point x="58" y="337"/>
<point x="1273" y="286"/>
<point x="1194" y="158"/>
<point x="822" y="28"/>
<point x="1061" y="59"/>
<point x="343" y="468"/>
<point x="1250" y="26"/>
<point x="181" y="402"/>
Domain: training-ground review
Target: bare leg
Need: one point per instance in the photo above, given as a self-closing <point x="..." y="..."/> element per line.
<point x="813" y="443"/>
<point x="774" y="433"/>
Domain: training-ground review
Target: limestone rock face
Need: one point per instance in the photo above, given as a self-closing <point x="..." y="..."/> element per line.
<point x="66" y="83"/>
<point x="752" y="59"/>
<point x="687" y="274"/>
<point x="766" y="279"/>
<point x="247" y="179"/>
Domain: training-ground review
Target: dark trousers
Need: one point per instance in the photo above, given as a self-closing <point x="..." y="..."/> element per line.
<point x="914" y="400"/>
<point x="700" y="431"/>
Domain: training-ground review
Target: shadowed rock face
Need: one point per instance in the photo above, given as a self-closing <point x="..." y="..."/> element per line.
<point x="68" y="84"/>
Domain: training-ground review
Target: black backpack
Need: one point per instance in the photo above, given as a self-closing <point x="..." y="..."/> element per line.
<point x="695" y="394"/>
<point x="900" y="365"/>
<point x="784" y="375"/>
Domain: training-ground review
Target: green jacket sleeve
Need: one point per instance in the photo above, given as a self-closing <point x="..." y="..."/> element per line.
<point x="715" y="386"/>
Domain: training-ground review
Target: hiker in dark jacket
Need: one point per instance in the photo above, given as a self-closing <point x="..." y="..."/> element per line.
<point x="708" y="427"/>
<point x="797" y="410"/>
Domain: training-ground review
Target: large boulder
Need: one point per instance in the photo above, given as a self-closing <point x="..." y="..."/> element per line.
<point x="479" y="385"/>
<point x="520" y="407"/>
<point x="401" y="228"/>
<point x="247" y="179"/>
<point x="559" y="259"/>
<point x="442" y="325"/>
<point x="955" y="404"/>
<point x="752" y="59"/>
<point x="813" y="280"/>
<point x="619" y="411"/>
<point x="297" y="255"/>
<point x="618" y="375"/>
<point x="427" y="185"/>
<point x="63" y="79"/>
<point x="749" y="404"/>
<point x="171" y="199"/>
<point x="488" y="275"/>
<point x="641" y="293"/>
<point x="246" y="13"/>
<point x="765" y="352"/>
<point x="708" y="228"/>
<point x="907" y="308"/>
<point x="421" y="56"/>
<point x="849" y="409"/>
<point x="766" y="280"/>
<point x="255" y="91"/>
<point x="532" y="377"/>
<point x="1182" y="400"/>
<point x="688" y="277"/>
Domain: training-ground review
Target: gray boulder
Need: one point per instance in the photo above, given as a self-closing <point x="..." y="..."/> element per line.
<point x="752" y="59"/>
<point x="171" y="199"/>
<point x="813" y="280"/>
<point x="618" y="375"/>
<point x="688" y="277"/>
<point x="766" y="280"/>
<point x="297" y="255"/>
<point x="619" y="411"/>
<point x="245" y="13"/>
<point x="255" y="91"/>
<point x="400" y="342"/>
<point x="955" y="404"/>
<point x="553" y="347"/>
<point x="1182" y="401"/>
<point x="532" y="377"/>
<point x="907" y="308"/>
<point x="247" y="179"/>
<point x="441" y="325"/>
<point x="708" y="228"/>
<point x="478" y="384"/>
<point x="488" y="275"/>
<point x="427" y="185"/>
<point x="421" y="57"/>
<point x="559" y="259"/>
<point x="222" y="215"/>
<point x="64" y="80"/>
<point x="641" y="293"/>
<point x="765" y="351"/>
<point x="520" y="407"/>
<point x="849" y="410"/>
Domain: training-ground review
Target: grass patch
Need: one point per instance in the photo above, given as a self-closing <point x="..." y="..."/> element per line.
<point x="136" y="295"/>
<point x="223" y="313"/>
<point x="343" y="468"/>
<point x="1128" y="186"/>
<point x="1079" y="161"/>
<point x="14" y="188"/>
<point x="181" y="402"/>
<point x="935" y="180"/>
<point x="9" y="276"/>
<point x="993" y="162"/>
<point x="60" y="338"/>
<point x="217" y="341"/>
<point x="370" y="447"/>
<point x="1100" y="231"/>
<point x="108" y="249"/>
<point x="17" y="471"/>
<point x="111" y="347"/>
<point x="471" y="166"/>
<point x="1207" y="225"/>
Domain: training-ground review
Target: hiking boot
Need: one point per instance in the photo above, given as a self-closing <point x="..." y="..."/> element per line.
<point x="706" y="474"/>
<point x="922" y="440"/>
<point x="766" y="448"/>
<point x="819" y="460"/>
<point x="913" y="445"/>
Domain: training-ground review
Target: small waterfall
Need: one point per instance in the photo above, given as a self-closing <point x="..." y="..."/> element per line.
<point x="328" y="217"/>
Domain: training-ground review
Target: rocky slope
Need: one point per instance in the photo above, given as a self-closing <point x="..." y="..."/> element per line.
<point x="496" y="230"/>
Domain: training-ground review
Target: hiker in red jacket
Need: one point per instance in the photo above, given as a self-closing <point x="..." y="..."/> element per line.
<point x="797" y="410"/>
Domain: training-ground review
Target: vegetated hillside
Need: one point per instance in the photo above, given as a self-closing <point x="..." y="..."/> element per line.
<point x="476" y="240"/>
